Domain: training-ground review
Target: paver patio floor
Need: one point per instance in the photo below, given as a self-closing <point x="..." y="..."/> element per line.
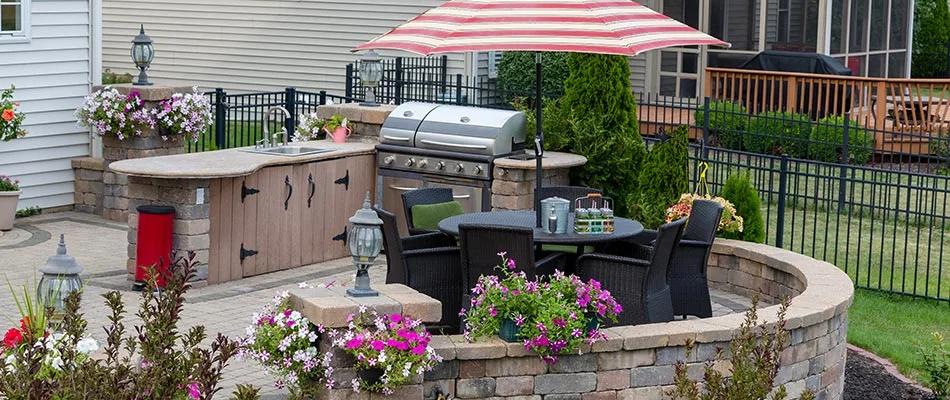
<point x="100" y="247"/>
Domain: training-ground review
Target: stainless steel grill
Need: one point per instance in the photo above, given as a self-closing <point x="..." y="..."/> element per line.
<point x="431" y="145"/>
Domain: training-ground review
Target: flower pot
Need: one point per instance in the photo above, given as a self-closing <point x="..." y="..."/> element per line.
<point x="508" y="331"/>
<point x="370" y="376"/>
<point x="339" y="134"/>
<point x="8" y="202"/>
<point x="593" y="322"/>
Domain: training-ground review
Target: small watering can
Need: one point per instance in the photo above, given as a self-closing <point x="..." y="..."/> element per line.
<point x="339" y="134"/>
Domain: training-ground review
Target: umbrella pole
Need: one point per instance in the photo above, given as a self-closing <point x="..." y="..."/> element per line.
<point x="538" y="137"/>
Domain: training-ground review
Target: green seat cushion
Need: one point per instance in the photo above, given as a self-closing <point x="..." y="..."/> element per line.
<point x="564" y="248"/>
<point x="427" y="216"/>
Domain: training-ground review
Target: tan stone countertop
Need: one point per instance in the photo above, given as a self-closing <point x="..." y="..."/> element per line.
<point x="550" y="160"/>
<point x="232" y="162"/>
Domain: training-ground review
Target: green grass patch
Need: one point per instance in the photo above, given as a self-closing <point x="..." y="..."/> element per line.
<point x="893" y="326"/>
<point x="238" y="134"/>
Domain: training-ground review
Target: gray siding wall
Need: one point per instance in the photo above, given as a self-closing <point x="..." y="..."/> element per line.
<point x="252" y="45"/>
<point x="51" y="73"/>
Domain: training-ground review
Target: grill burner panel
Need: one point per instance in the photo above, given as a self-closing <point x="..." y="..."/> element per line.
<point x="433" y="162"/>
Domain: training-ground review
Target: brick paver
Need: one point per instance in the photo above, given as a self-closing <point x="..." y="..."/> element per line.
<point x="100" y="247"/>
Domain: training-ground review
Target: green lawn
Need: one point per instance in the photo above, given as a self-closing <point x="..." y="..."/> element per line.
<point x="892" y="326"/>
<point x="238" y="135"/>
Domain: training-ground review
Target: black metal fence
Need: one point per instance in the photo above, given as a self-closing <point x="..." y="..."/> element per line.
<point x="873" y="202"/>
<point x="239" y="118"/>
<point x="427" y="79"/>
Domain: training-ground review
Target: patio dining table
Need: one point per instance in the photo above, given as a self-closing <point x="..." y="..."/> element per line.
<point x="623" y="228"/>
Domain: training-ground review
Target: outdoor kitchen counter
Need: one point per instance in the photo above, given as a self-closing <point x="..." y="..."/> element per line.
<point x="231" y="163"/>
<point x="550" y="160"/>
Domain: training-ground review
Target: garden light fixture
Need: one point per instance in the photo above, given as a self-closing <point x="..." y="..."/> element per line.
<point x="142" y="55"/>
<point x="371" y="72"/>
<point x="60" y="279"/>
<point x="365" y="241"/>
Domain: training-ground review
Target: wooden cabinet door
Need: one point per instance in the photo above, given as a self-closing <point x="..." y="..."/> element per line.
<point x="312" y="226"/>
<point x="336" y="222"/>
<point x="246" y="193"/>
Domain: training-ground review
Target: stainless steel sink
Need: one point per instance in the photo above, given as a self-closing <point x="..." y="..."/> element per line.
<point x="289" y="151"/>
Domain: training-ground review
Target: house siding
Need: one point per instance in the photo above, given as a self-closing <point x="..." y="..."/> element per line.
<point x="51" y="74"/>
<point x="254" y="45"/>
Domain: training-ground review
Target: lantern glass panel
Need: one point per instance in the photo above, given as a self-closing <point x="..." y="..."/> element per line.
<point x="54" y="289"/>
<point x="374" y="73"/>
<point x="142" y="54"/>
<point x="365" y="242"/>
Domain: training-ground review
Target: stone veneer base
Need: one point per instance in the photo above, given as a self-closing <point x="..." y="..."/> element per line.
<point x="637" y="362"/>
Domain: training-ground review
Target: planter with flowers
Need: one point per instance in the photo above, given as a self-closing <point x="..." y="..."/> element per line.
<point x="286" y="345"/>
<point x="184" y="115"/>
<point x="730" y="222"/>
<point x="10" y="128"/>
<point x="389" y="350"/>
<point x="550" y="317"/>
<point x="310" y="127"/>
<point x="338" y="128"/>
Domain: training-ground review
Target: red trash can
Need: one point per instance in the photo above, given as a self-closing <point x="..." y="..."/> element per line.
<point x="154" y="244"/>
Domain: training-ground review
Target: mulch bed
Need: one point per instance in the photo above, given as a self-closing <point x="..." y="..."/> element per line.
<point x="867" y="379"/>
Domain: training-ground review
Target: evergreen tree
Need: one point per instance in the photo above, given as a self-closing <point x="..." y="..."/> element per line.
<point x="664" y="177"/>
<point x="931" y="36"/>
<point x="602" y="111"/>
<point x="739" y="191"/>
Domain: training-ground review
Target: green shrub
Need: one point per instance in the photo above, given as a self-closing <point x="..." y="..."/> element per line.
<point x="516" y="74"/>
<point x="111" y="78"/>
<point x="940" y="143"/>
<point x="937" y="366"/>
<point x="727" y="122"/>
<point x="602" y="112"/>
<point x="931" y="33"/>
<point x="557" y="129"/>
<point x="739" y="191"/>
<point x="664" y="177"/>
<point x="774" y="132"/>
<point x="827" y="138"/>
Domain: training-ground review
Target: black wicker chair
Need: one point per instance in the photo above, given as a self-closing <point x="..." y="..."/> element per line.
<point x="432" y="195"/>
<point x="639" y="286"/>
<point x="569" y="193"/>
<point x="428" y="263"/>
<point x="482" y="243"/>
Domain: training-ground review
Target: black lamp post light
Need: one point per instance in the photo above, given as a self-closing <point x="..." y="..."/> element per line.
<point x="142" y="55"/>
<point x="365" y="241"/>
<point x="371" y="72"/>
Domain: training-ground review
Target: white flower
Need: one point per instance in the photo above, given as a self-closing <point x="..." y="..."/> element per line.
<point x="87" y="346"/>
<point x="295" y="316"/>
<point x="56" y="363"/>
<point x="303" y="285"/>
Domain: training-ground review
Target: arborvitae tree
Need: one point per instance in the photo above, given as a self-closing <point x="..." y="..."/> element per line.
<point x="931" y="35"/>
<point x="739" y="191"/>
<point x="602" y="110"/>
<point x="664" y="177"/>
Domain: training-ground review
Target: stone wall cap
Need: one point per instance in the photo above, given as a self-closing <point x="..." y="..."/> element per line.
<point x="551" y="160"/>
<point x="232" y="162"/>
<point x="149" y="93"/>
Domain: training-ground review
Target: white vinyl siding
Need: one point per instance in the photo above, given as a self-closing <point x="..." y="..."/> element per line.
<point x="254" y="45"/>
<point x="52" y="74"/>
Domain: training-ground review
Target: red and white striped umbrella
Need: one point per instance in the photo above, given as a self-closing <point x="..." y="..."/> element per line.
<point x="620" y="27"/>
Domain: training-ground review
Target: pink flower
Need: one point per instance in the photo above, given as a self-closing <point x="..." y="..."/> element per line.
<point x="418" y="350"/>
<point x="193" y="391"/>
<point x="395" y="318"/>
<point x="378" y="345"/>
<point x="355" y="342"/>
<point x="511" y="264"/>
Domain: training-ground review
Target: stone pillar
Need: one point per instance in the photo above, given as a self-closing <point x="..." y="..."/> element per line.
<point x="88" y="192"/>
<point x="514" y="181"/>
<point x="115" y="201"/>
<point x="192" y="215"/>
<point x="366" y="120"/>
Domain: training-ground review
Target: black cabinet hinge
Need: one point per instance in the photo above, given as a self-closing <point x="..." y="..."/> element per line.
<point x="246" y="191"/>
<point x="245" y="253"/>
<point x="341" y="237"/>
<point x="345" y="180"/>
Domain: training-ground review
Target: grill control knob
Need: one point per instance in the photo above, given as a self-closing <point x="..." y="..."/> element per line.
<point x="410" y="162"/>
<point x="389" y="160"/>
<point x="477" y="170"/>
<point x="440" y="166"/>
<point x="459" y="167"/>
<point x="423" y="163"/>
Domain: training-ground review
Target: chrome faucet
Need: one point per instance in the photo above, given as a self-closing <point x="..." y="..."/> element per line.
<point x="273" y="138"/>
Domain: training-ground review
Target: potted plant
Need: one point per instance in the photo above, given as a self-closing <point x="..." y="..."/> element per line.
<point x="338" y="128"/>
<point x="9" y="196"/>
<point x="10" y="121"/>
<point x="285" y="344"/>
<point x="109" y="113"/>
<point x="185" y="114"/>
<point x="551" y="317"/>
<point x="389" y="350"/>
<point x="310" y="127"/>
<point x="730" y="222"/>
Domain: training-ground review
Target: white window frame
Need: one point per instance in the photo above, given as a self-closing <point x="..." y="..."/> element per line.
<point x="23" y="35"/>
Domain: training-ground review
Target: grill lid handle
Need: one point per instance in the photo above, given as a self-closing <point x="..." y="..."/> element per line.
<point x="461" y="146"/>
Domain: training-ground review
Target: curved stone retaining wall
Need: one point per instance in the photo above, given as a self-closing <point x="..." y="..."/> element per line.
<point x="637" y="362"/>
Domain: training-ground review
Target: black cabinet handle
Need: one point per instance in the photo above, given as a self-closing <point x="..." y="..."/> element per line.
<point x="290" y="192"/>
<point x="313" y="189"/>
<point x="245" y="253"/>
<point x="246" y="191"/>
<point x="344" y="180"/>
<point x="341" y="237"/>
